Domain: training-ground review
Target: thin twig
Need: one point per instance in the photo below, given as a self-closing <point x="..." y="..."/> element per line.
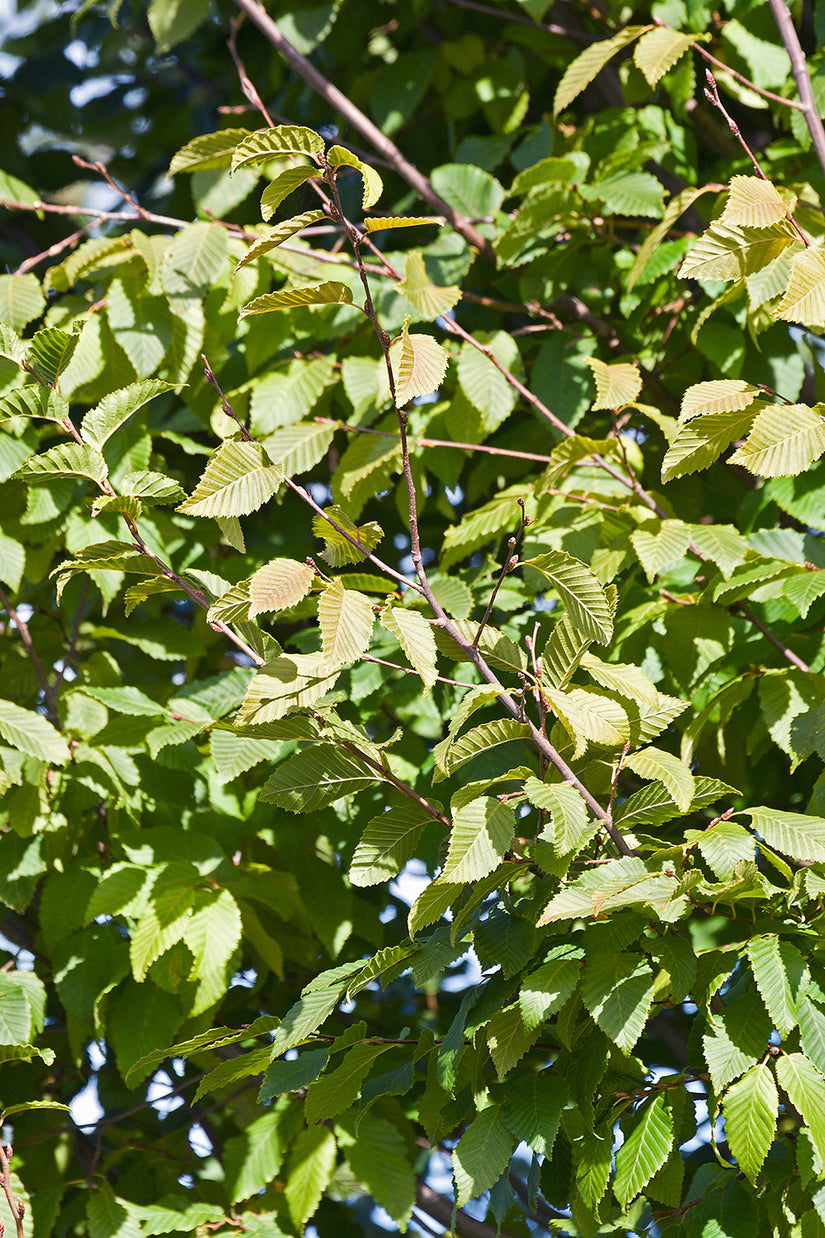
<point x="787" y="653"/>
<point x="55" y="249"/>
<point x="799" y="66"/>
<point x="16" y="1206"/>
<point x="404" y="787"/>
<point x="408" y="670"/>
<point x="339" y="101"/>
<point x="49" y="692"/>
<point x="726" y="68"/>
<point x="564" y="32"/>
<point x="712" y="96"/>
<point x="509" y="564"/>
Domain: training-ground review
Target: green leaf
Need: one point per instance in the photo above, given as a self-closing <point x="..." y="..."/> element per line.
<point x="804" y="299"/>
<point x="281" y="140"/>
<point x="397" y="221"/>
<point x="238" y="479"/>
<point x="703" y="441"/>
<point x="662" y="549"/>
<point x="616" y="385"/>
<point x="781" y="976"/>
<point x="589" y="63"/>
<point x="115" y="409"/>
<point x="429" y="299"/>
<point x="805" y="1087"/>
<point x="386" y="844"/>
<point x="546" y="990"/>
<point x="21" y="300"/>
<point x="719" y="396"/>
<point x="452" y="754"/>
<point x="732" y="253"/>
<point x="291" y="1076"/>
<point x="783" y="441"/>
<point x="755" y="203"/>
<point x="533" y="1109"/>
<point x="314" y="778"/>
<point x="415" y="636"/>
<point x="338" y="1089"/>
<point x="644" y="1152"/>
<point x="482" y="382"/>
<point x="171" y="21"/>
<point x="282" y="187"/>
<point x="737" y="1039"/>
<point x="284" y="684"/>
<point x="751" y="1106"/>
<point x="580" y="591"/>
<point x="306" y="1016"/>
<point x="48" y="353"/>
<point x="508" y="1039"/>
<point x="65" y="460"/>
<point x="482" y="1154"/>
<point x="618" y="992"/>
<point x="482" y="832"/>
<point x="379" y="1160"/>
<point x="654" y="763"/>
<point x="791" y="833"/>
<point x="569" y="826"/>
<point x="32" y="733"/>
<point x="276" y="236"/>
<point x="279" y="584"/>
<point x="339" y="157"/>
<point x="34" y="401"/>
<point x="659" y="50"/>
<point x="310" y="1167"/>
<point x="420" y="366"/>
<point x="330" y="293"/>
<point x="210" y="150"/>
<point x="590" y="717"/>
<point x="346" y="620"/>
<point x="297" y="449"/>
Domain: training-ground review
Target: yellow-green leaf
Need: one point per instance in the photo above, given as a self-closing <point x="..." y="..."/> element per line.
<point x="755" y="203"/>
<point x="615" y="384"/>
<point x="345" y="618"/>
<point x="804" y="299"/>
<point x="420" y="368"/>
<point x="338" y="157"/>
<point x="784" y="440"/>
<point x="276" y="236"/>
<point x="330" y="293"/>
<point x="659" y="50"/>
<point x="589" y="63"/>
<point x="272" y="143"/>
<point x="415" y="636"/>
<point x="428" y="298"/>
<point x="279" y="584"/>
<point x="732" y="253"/>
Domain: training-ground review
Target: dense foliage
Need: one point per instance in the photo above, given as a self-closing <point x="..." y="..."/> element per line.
<point x="413" y="714"/>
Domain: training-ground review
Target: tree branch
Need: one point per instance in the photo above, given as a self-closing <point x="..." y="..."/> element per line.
<point x="802" y="78"/>
<point x="440" y="1208"/>
<point x="16" y="1206"/>
<point x="339" y="101"/>
<point x="34" y="657"/>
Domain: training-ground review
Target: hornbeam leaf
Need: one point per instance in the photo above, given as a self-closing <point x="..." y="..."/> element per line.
<point x="311" y="1163"/>
<point x="805" y="1087"/>
<point x="280" y="140"/>
<point x="644" y="1152"/>
<point x="732" y="253"/>
<point x="482" y="1154"/>
<point x="581" y="72"/>
<point x="386" y="844"/>
<point x="48" y="353"/>
<point x="277" y="585"/>
<point x="790" y="833"/>
<point x="450" y="756"/>
<point x="784" y="440"/>
<point x="210" y="150"/>
<point x="34" y="401"/>
<point x="65" y="460"/>
<point x="420" y="367"/>
<point x="583" y="596"/>
<point x="616" y="385"/>
<point x="653" y="763"/>
<point x="330" y="293"/>
<point x="339" y="549"/>
<point x="399" y="221"/>
<point x="781" y="976"/>
<point x="276" y="236"/>
<point x="674" y="209"/>
<point x="116" y="408"/>
<point x="719" y="396"/>
<point x="339" y="157"/>
<point x="380" y="1160"/>
<point x="755" y="203"/>
<point x="622" y="677"/>
<point x="32" y="733"/>
<point x="618" y="992"/>
<point x="415" y="636"/>
<point x="591" y="717"/>
<point x="569" y="827"/>
<point x="659" y="50"/>
<point x="482" y="832"/>
<point x="237" y="480"/>
<point x="751" y="1106"/>
<point x="546" y="990"/>
<point x="428" y="298"/>
<point x="311" y="779"/>
<point x="11" y="345"/>
<point x="346" y="620"/>
<point x="804" y="300"/>
<point x="282" y="187"/>
<point x="285" y="683"/>
<point x="659" y="550"/>
<point x="703" y="441"/>
<point x="297" y="449"/>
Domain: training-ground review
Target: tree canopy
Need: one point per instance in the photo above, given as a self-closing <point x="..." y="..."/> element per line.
<point x="412" y="584"/>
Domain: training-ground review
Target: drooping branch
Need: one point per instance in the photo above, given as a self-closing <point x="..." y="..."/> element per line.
<point x="16" y="1206"/>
